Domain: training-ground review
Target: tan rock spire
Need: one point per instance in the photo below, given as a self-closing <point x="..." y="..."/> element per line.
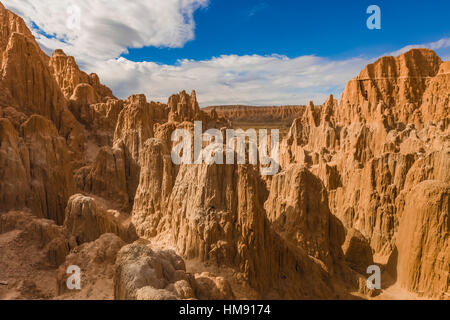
<point x="398" y="82"/>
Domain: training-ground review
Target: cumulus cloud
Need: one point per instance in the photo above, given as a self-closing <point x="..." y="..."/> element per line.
<point x="107" y="28"/>
<point x="97" y="30"/>
<point x="231" y="79"/>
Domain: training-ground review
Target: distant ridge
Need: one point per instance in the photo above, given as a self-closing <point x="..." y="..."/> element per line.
<point x="241" y="113"/>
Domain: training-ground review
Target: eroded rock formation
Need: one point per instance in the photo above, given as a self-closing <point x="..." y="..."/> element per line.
<point x="87" y="179"/>
<point x="284" y="114"/>
<point x="144" y="274"/>
<point x="388" y="134"/>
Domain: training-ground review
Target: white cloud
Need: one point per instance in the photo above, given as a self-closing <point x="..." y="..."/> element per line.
<point x="104" y="29"/>
<point x="109" y="27"/>
<point x="257" y="8"/>
<point x="256" y="80"/>
<point x="442" y="46"/>
<point x="250" y="79"/>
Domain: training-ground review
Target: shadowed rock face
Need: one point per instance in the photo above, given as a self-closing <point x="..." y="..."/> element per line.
<point x="37" y="172"/>
<point x="50" y="169"/>
<point x="298" y="209"/>
<point x="357" y="251"/>
<point x="87" y="179"/>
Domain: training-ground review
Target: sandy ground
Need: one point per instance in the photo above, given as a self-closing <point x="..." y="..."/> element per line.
<point x="22" y="268"/>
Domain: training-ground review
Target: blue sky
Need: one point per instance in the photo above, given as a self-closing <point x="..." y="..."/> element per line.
<point x="255" y="52"/>
<point x="334" y="29"/>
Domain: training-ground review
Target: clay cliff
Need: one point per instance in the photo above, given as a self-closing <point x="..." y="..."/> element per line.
<point x="387" y="137"/>
<point x="87" y="179"/>
<point x="282" y="114"/>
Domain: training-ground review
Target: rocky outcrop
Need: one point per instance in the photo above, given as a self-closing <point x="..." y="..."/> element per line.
<point x="37" y="172"/>
<point x="100" y="118"/>
<point x="26" y="80"/>
<point x="140" y="121"/>
<point x="423" y="241"/>
<point x="68" y="76"/>
<point x="15" y="177"/>
<point x="16" y="117"/>
<point x="399" y="83"/>
<point x="50" y="170"/>
<point x="381" y="141"/>
<point x="96" y="262"/>
<point x="145" y="274"/>
<point x="312" y="136"/>
<point x="155" y="185"/>
<point x="135" y="125"/>
<point x="9" y="24"/>
<point x="298" y="209"/>
<point x="357" y="251"/>
<point x="86" y="220"/>
<point x="28" y="85"/>
<point x="184" y="107"/>
<point x="434" y="166"/>
<point x="208" y="287"/>
<point x="142" y="273"/>
<point x="106" y="177"/>
<point x="48" y="237"/>
<point x="134" y="128"/>
<point x="220" y="219"/>
<point x="436" y="98"/>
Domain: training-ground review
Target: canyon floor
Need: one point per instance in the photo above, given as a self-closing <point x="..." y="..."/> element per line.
<point x="87" y="180"/>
